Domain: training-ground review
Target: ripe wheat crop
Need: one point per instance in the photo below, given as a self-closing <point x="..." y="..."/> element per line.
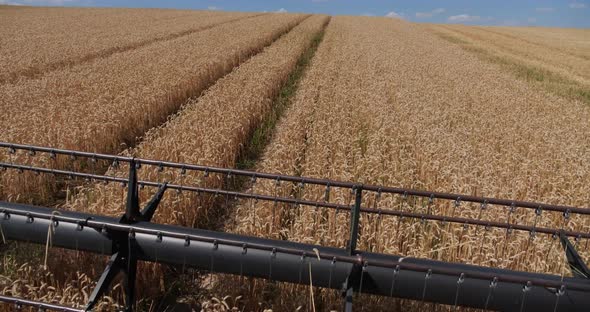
<point x="553" y="60"/>
<point x="104" y="105"/>
<point x="202" y="132"/>
<point x="425" y="115"/>
<point x="211" y="130"/>
<point x="36" y="40"/>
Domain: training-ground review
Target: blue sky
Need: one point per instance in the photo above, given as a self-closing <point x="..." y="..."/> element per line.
<point x="565" y="13"/>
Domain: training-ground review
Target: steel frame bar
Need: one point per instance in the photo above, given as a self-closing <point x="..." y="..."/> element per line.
<point x="385" y="275"/>
<point x="295" y="201"/>
<point x="304" y="180"/>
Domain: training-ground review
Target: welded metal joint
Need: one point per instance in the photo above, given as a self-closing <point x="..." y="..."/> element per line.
<point x="352" y="282"/>
<point x="123" y="259"/>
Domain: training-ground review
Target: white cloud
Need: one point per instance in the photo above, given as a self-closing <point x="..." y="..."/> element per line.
<point x="41" y="2"/>
<point x="213" y="8"/>
<point x="544" y="9"/>
<point x="577" y="5"/>
<point x="281" y="10"/>
<point x="531" y="20"/>
<point x="466" y="18"/>
<point x="4" y="2"/>
<point x="431" y="13"/>
<point x="393" y="14"/>
<point x="461" y="18"/>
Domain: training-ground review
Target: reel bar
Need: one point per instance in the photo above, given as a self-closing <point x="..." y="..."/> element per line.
<point x="235" y="194"/>
<point x="304" y="180"/>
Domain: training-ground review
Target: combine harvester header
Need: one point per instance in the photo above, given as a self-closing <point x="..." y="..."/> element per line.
<point x="133" y="237"/>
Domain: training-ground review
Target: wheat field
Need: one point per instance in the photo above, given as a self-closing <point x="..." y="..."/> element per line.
<point x="425" y="115"/>
<point x="555" y="60"/>
<point x="108" y="103"/>
<point x="46" y="42"/>
<point x="488" y="111"/>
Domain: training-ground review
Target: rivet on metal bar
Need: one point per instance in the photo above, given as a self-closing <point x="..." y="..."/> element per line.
<point x="558" y="294"/>
<point x="426" y="278"/>
<point x="490" y="296"/>
<point x="332" y="265"/>
<point x="459" y="283"/>
<point x="301" y="262"/>
<point x="273" y="255"/>
<point x="395" y="273"/>
<point x="525" y="289"/>
<point x="363" y="271"/>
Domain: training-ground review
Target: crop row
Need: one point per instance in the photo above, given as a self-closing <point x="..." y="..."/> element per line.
<point x="105" y="105"/>
<point x="430" y="116"/>
<point x="29" y="51"/>
<point x="210" y="129"/>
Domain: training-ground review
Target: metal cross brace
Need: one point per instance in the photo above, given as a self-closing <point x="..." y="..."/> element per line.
<point x="576" y="263"/>
<point x="123" y="259"/>
<point x="354" y="277"/>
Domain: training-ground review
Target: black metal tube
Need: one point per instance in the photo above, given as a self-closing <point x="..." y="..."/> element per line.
<point x="385" y="275"/>
<point x="306" y="180"/>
